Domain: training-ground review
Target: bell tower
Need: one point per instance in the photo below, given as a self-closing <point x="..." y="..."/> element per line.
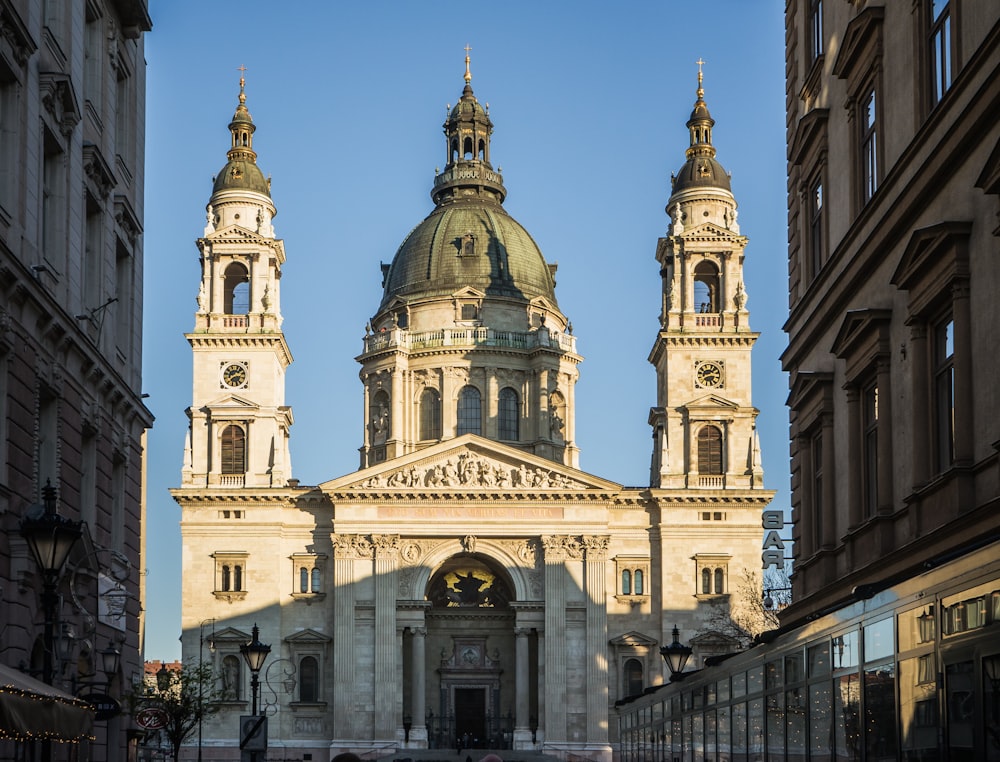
<point x="704" y="433"/>
<point x="239" y="423"/>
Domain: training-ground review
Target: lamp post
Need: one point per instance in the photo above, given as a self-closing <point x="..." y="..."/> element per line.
<point x="51" y="537"/>
<point x="676" y="656"/>
<point x="254" y="653"/>
<point x="201" y="676"/>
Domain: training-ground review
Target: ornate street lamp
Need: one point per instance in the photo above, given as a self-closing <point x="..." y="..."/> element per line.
<point x="255" y="653"/>
<point x="162" y="678"/>
<point x="51" y="537"/>
<point x="676" y="656"/>
<point x="925" y="625"/>
<point x="110" y="661"/>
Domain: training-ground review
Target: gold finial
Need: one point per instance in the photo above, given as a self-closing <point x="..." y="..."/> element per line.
<point x="701" y="91"/>
<point x="242" y="70"/>
<point x="468" y="74"/>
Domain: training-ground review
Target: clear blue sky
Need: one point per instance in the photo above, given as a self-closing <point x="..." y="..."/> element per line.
<point x="589" y="102"/>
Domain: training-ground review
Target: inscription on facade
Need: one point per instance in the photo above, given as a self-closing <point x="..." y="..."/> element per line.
<point x="470" y="512"/>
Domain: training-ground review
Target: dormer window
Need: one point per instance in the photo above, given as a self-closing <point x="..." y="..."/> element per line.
<point x="469" y="312"/>
<point x="468" y="245"/>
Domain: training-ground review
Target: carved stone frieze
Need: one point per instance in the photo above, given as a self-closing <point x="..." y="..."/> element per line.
<point x="472" y="470"/>
<point x="352" y="546"/>
<point x="406" y="578"/>
<point x="559" y="546"/>
<point x="385" y="545"/>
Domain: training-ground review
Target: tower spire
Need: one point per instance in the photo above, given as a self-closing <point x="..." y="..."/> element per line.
<point x="700" y="124"/>
<point x="468" y="72"/>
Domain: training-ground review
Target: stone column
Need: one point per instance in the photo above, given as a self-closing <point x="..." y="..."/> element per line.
<point x="828" y="527"/>
<point x="884" y="443"/>
<point x="855" y="487"/>
<point x="418" y="701"/>
<point x="386" y="677"/>
<point x="557" y="549"/>
<point x="922" y="429"/>
<point x="521" y="701"/>
<point x="346" y="548"/>
<point x="596" y="548"/>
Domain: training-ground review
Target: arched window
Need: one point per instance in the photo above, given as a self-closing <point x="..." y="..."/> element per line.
<point x="227" y="578"/>
<point x="470" y="409"/>
<point x="706" y="581"/>
<point x="482" y="149"/>
<point x="710" y="450"/>
<point x="315" y="580"/>
<point x="232" y="678"/>
<point x="706" y="287"/>
<point x="467" y="150"/>
<point x="508" y="414"/>
<point x="237" y="577"/>
<point x="430" y="414"/>
<point x="638" y="588"/>
<point x="234" y="450"/>
<point x="308" y="680"/>
<point x="719" y="582"/>
<point x="303" y="580"/>
<point x="236" y="284"/>
<point x="626" y="582"/>
<point x="633" y="677"/>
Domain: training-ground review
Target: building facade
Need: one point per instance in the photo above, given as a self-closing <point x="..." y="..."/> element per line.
<point x="72" y="127"/>
<point x="889" y="649"/>
<point x="469" y="584"/>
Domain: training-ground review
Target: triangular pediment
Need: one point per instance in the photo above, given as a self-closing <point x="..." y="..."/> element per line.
<point x="633" y="639"/>
<point x="711" y="402"/>
<point x="238" y="235"/>
<point x="712" y="232"/>
<point x="229" y="635"/>
<point x="469" y="293"/>
<point x="232" y="402"/>
<point x="546" y="305"/>
<point x="469" y="463"/>
<point x="308" y="635"/>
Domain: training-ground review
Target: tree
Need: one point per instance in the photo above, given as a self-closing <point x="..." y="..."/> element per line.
<point x="187" y="696"/>
<point x="746" y="615"/>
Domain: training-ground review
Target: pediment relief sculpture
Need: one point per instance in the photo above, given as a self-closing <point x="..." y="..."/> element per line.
<point x="471" y="470"/>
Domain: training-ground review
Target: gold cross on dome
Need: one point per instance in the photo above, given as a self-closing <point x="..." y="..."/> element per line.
<point x="700" y="63"/>
<point x="468" y="74"/>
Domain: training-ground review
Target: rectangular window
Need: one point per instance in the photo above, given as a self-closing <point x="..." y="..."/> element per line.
<point x="880" y="711"/>
<point x="125" y="118"/>
<point x="815" y="29"/>
<point x="869" y="448"/>
<point x="10" y="161"/>
<point x="869" y="146"/>
<point x="124" y="269"/>
<point x="940" y="48"/>
<point x="53" y="223"/>
<point x="944" y="393"/>
<point x="816" y="248"/>
<point x="816" y="456"/>
<point x="93" y="60"/>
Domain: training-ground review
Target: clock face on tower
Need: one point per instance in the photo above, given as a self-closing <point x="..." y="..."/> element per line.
<point x="234" y="375"/>
<point x="709" y="375"/>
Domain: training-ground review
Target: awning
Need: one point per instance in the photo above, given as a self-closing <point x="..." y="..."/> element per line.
<point x="32" y="710"/>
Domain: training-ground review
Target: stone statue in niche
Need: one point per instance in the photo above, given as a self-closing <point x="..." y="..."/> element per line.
<point x="380" y="423"/>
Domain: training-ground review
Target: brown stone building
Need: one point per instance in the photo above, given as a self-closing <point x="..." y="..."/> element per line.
<point x="72" y="119"/>
<point x="889" y="650"/>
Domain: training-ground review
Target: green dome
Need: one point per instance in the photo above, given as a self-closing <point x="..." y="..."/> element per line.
<point x="241" y="174"/>
<point x="702" y="172"/>
<point x="474" y="244"/>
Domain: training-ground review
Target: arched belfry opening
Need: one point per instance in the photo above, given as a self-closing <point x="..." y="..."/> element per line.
<point x="706" y="287"/>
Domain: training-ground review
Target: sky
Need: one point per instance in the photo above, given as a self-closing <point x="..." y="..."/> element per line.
<point x="589" y="102"/>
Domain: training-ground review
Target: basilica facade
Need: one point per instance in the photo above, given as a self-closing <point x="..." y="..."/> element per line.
<point x="469" y="584"/>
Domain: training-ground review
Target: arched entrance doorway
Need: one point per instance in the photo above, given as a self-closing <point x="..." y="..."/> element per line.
<point x="470" y="654"/>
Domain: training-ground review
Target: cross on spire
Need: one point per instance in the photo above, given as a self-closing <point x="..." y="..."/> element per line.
<point x="700" y="63"/>
<point x="468" y="74"/>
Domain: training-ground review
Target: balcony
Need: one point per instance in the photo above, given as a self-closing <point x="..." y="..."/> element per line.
<point x="398" y="338"/>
